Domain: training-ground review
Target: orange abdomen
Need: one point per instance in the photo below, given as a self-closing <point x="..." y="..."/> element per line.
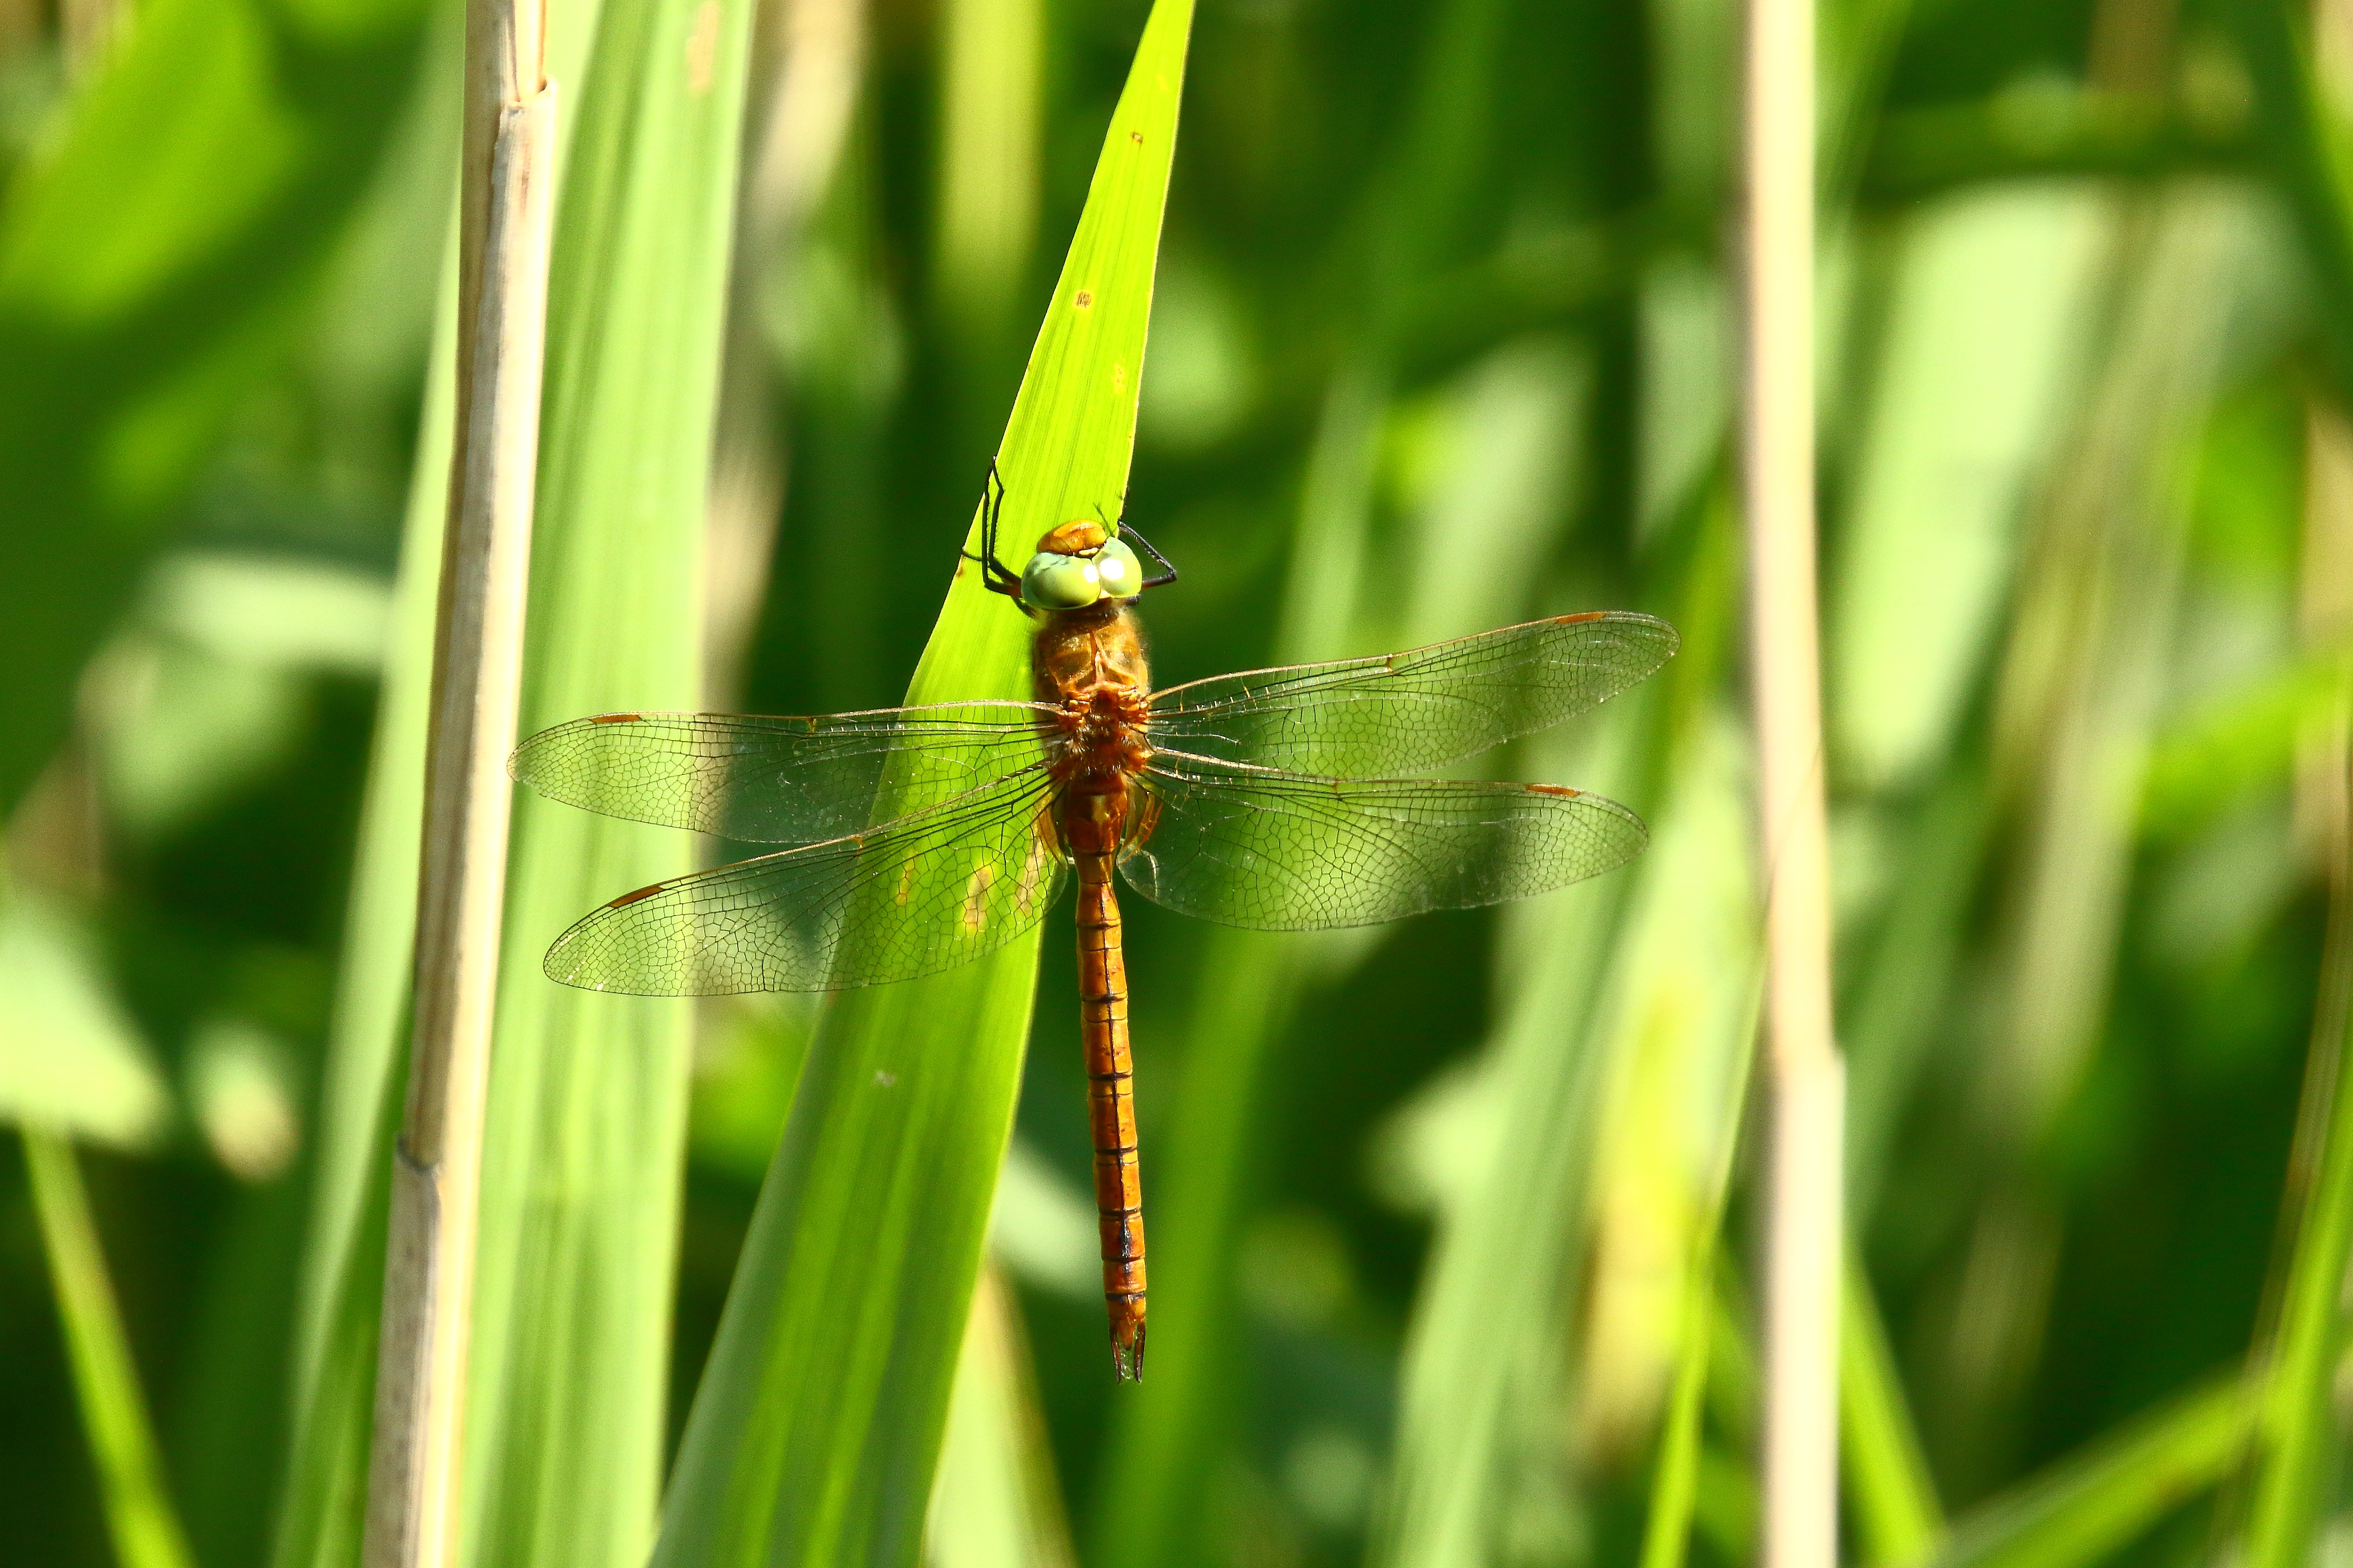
<point x="1092" y="825"/>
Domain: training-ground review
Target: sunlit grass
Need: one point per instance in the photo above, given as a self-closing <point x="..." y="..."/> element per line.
<point x="1453" y="1224"/>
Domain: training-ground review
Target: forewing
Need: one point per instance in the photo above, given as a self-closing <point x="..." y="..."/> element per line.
<point x="1289" y="852"/>
<point x="774" y="781"/>
<point x="1402" y="712"/>
<point x="919" y="894"/>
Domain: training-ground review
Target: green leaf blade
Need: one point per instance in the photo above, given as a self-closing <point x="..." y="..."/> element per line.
<point x="823" y="1404"/>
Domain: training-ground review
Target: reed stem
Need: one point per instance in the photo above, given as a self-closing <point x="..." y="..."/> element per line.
<point x="1803" y="1227"/>
<point x="412" y="1516"/>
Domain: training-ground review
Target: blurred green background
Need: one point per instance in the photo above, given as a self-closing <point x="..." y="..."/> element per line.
<point x="1441" y="342"/>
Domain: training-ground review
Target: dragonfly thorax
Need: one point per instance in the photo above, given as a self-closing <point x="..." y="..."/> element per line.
<point x="1101" y="734"/>
<point x="1079" y="650"/>
<point x="1088" y="665"/>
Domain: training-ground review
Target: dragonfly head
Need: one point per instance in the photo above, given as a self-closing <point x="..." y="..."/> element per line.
<point x="1077" y="564"/>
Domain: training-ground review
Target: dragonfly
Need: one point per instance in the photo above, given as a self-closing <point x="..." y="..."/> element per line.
<point x="1283" y="799"/>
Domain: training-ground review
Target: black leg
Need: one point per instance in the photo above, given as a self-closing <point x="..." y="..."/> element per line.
<point x="1168" y="571"/>
<point x="995" y="575"/>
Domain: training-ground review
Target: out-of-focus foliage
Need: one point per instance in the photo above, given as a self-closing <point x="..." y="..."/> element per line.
<point x="1440" y="342"/>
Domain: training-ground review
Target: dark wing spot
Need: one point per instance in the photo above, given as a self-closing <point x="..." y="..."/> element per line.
<point x="617" y="719"/>
<point x="1553" y="789"/>
<point x="627" y="899"/>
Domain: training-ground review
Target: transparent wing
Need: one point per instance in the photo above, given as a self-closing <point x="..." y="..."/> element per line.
<point x="774" y="781"/>
<point x="1403" y="712"/>
<point x="1278" y="851"/>
<point x="919" y="894"/>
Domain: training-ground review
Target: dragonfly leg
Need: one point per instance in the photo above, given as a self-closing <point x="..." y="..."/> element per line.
<point x="995" y="575"/>
<point x="1168" y="571"/>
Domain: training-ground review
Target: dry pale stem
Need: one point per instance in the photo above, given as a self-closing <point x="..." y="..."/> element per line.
<point x="430" y="1259"/>
<point x="1803" y="1226"/>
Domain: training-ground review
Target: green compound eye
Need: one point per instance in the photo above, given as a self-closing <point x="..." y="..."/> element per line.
<point x="1052" y="582"/>
<point x="1120" y="572"/>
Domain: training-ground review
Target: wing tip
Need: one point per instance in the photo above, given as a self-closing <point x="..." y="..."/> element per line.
<point x="1642" y="619"/>
<point x="519" y="760"/>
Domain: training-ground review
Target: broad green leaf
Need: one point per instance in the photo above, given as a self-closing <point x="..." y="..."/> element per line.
<point x="150" y="265"/>
<point x="819" y="1415"/>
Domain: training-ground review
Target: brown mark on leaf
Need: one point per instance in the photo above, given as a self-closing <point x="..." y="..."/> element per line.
<point x="1118" y="376"/>
<point x="702" y="47"/>
<point x="1136" y="137"/>
<point x="1086" y="298"/>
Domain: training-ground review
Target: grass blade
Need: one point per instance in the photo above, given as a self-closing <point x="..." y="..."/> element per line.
<point x="587" y="1093"/>
<point x="2298" y="1430"/>
<point x="138" y="1515"/>
<point x="994" y="1502"/>
<point x="2083" y="1509"/>
<point x="2307" y="154"/>
<point x="342" y="1283"/>
<point x="1894" y="1501"/>
<point x="1490" y="1302"/>
<point x="820" y="1412"/>
<point x="341" y="1287"/>
<point x="1674" y="1483"/>
<point x="1509" y="1251"/>
<point x="2298" y="1434"/>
